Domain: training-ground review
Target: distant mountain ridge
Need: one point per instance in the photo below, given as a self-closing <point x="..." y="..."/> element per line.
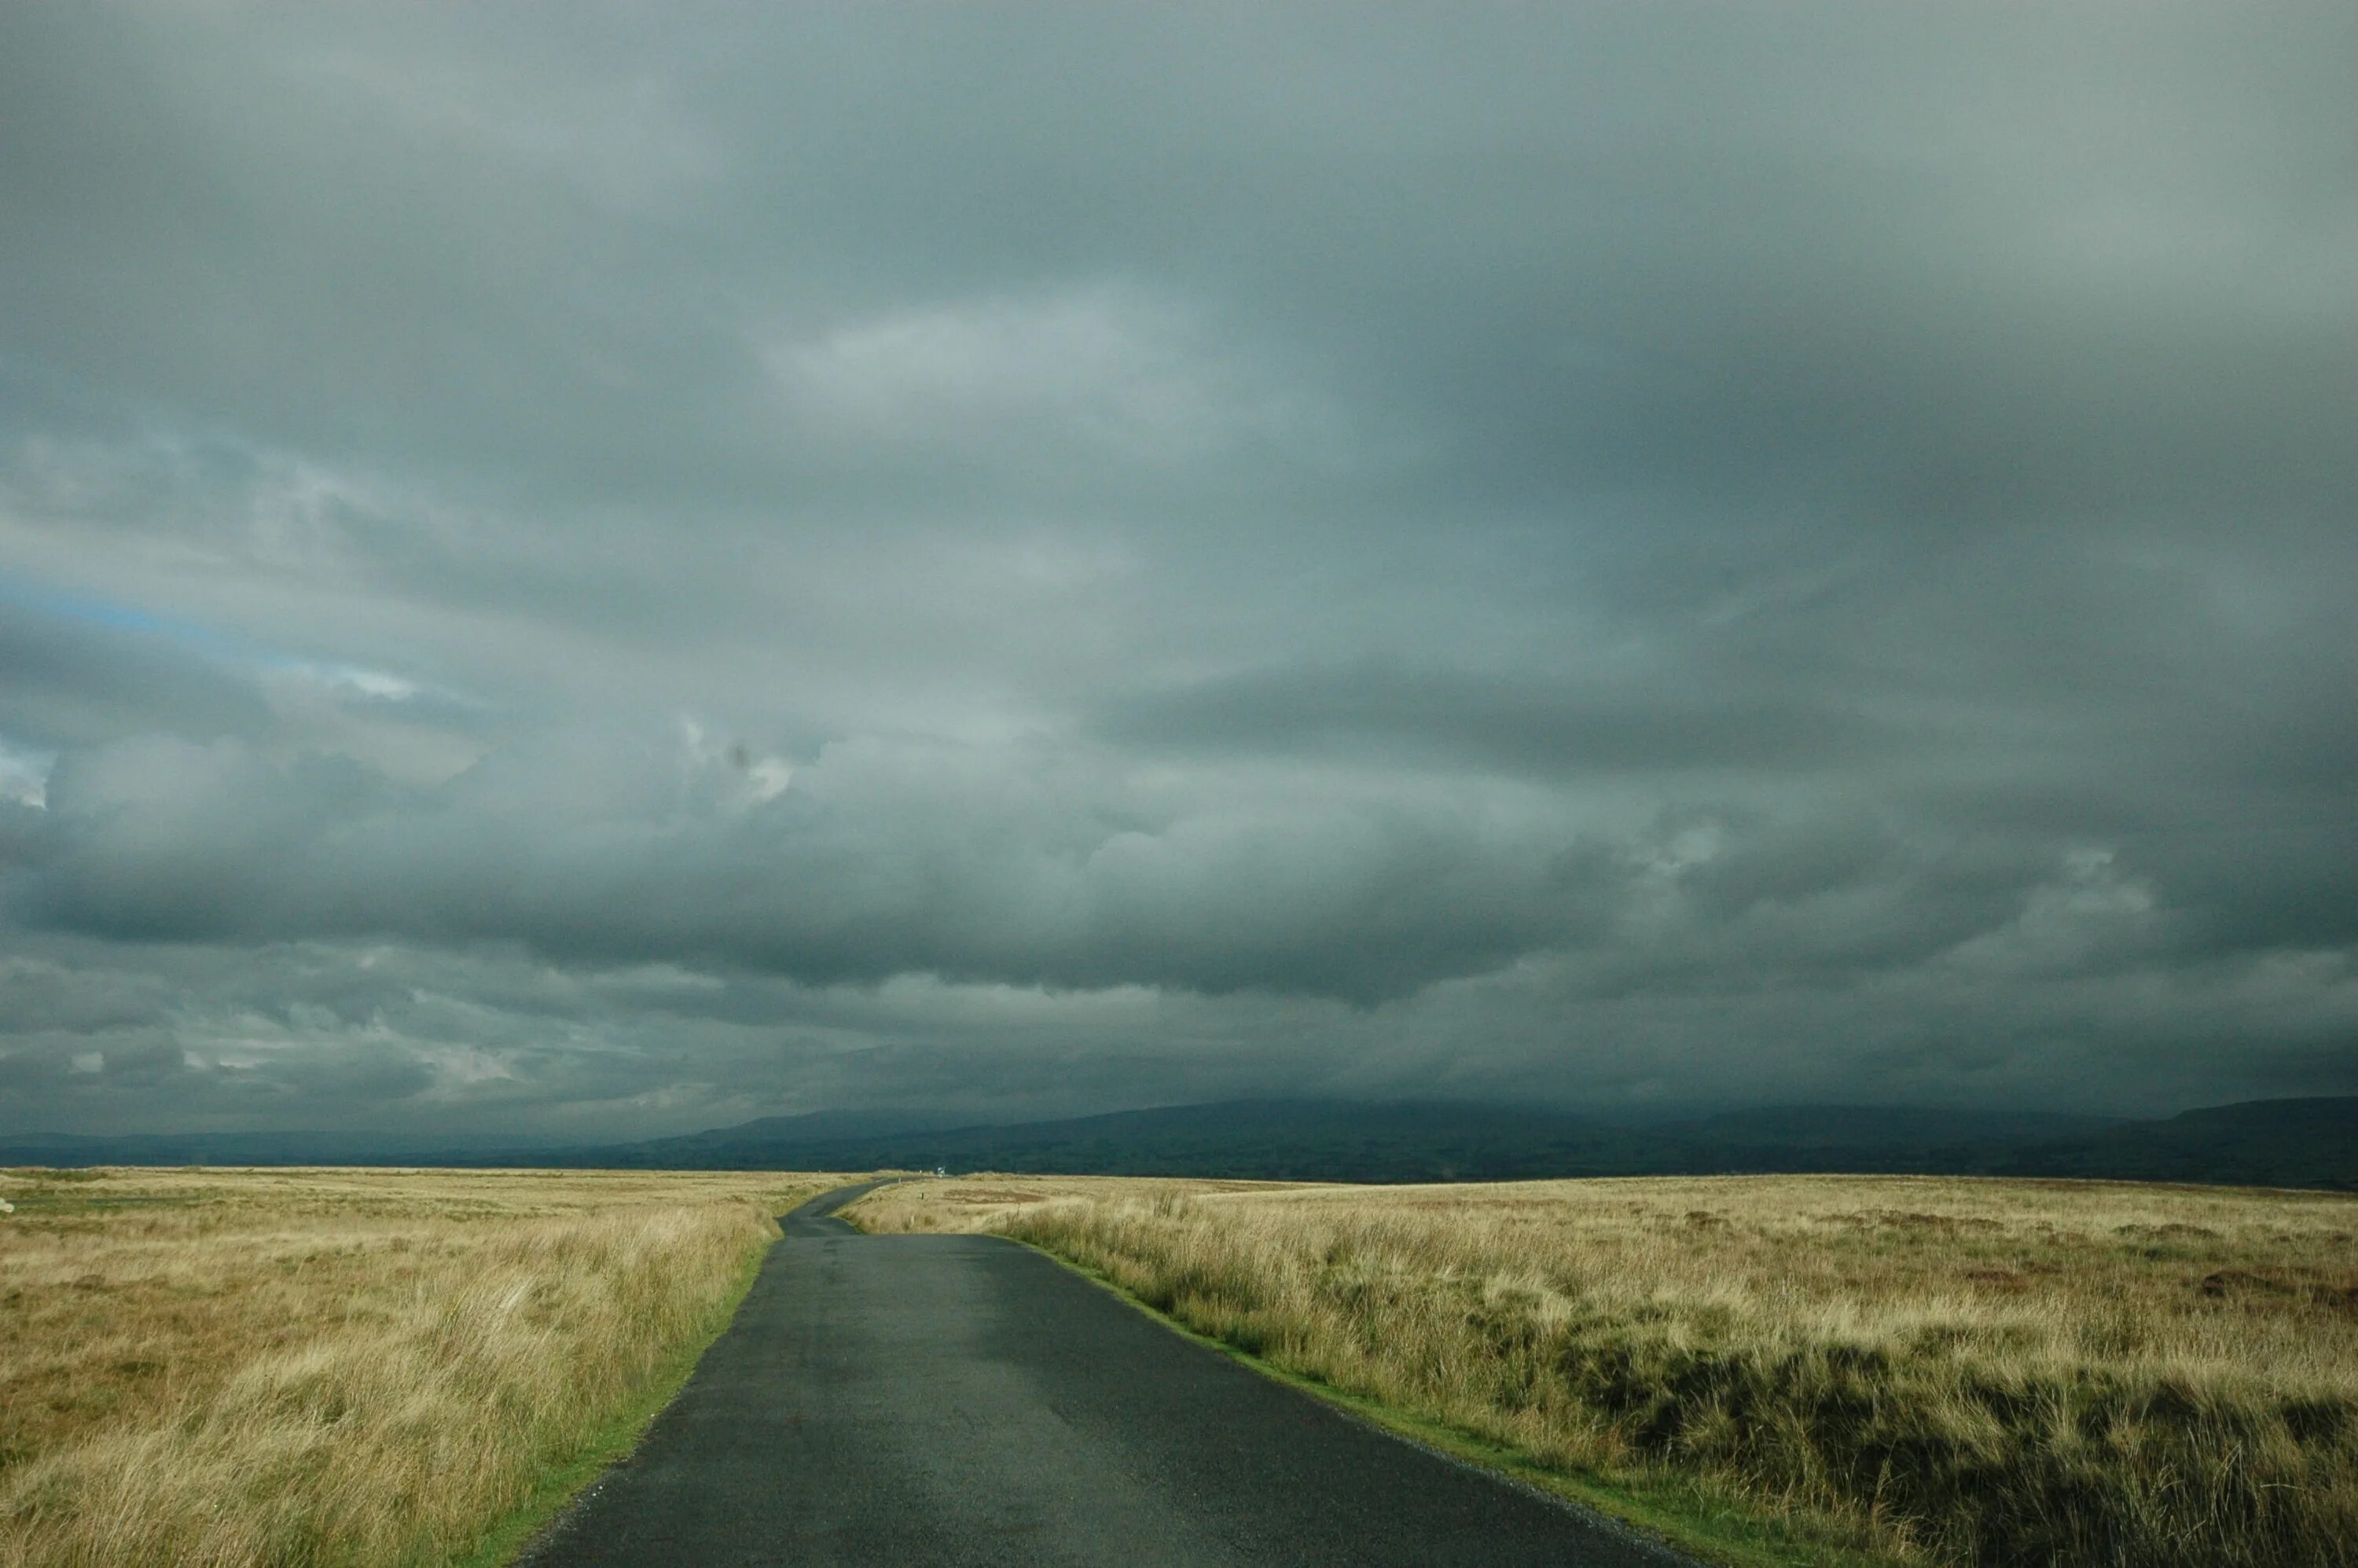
<point x="2262" y="1143"/>
<point x="66" y="1150"/>
<point x="2283" y="1142"/>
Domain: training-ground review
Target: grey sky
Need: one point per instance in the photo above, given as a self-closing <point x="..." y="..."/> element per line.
<point x="592" y="573"/>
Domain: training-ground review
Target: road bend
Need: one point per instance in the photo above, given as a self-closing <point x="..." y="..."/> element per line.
<point x="903" y="1401"/>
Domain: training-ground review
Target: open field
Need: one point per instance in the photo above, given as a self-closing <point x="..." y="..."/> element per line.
<point x="340" y="1366"/>
<point x="1929" y="1371"/>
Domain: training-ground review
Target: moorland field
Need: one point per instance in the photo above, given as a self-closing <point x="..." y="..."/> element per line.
<point x="342" y="1367"/>
<point x="1927" y="1371"/>
<point x="388" y="1367"/>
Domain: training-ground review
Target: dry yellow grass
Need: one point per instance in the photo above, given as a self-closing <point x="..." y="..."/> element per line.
<point x="1937" y="1371"/>
<point x="336" y="1367"/>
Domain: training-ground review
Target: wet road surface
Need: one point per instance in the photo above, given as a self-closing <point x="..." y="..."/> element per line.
<point x="912" y="1400"/>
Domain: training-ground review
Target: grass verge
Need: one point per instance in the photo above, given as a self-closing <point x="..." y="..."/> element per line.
<point x="1666" y="1508"/>
<point x="345" y="1368"/>
<point x="1935" y="1372"/>
<point x="557" y="1486"/>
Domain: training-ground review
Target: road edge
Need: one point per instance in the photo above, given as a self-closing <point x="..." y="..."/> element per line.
<point x="1670" y="1513"/>
<point x="555" y="1491"/>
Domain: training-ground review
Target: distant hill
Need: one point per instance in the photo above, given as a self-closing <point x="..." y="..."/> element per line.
<point x="1866" y="1139"/>
<point x="2261" y="1143"/>
<point x="1277" y="1140"/>
<point x="2267" y="1144"/>
<point x="2289" y="1142"/>
<point x="241" y="1149"/>
<point x="809" y="1130"/>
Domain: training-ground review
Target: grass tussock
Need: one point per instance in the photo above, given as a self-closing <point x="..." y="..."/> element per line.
<point x="336" y="1367"/>
<point x="1929" y="1371"/>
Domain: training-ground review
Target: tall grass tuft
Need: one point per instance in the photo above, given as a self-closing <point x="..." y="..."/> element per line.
<point x="1935" y="1372"/>
<point x="335" y="1368"/>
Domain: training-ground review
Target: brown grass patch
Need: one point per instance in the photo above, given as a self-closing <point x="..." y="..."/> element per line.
<point x="335" y="1366"/>
<point x="1933" y="1370"/>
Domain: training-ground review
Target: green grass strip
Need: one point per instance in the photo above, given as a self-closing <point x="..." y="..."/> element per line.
<point x="506" y="1540"/>
<point x="1676" y="1511"/>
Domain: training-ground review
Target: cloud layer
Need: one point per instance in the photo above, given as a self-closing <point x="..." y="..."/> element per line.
<point x="581" y="578"/>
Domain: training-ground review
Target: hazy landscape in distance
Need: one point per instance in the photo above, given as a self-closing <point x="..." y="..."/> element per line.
<point x="2274" y="1143"/>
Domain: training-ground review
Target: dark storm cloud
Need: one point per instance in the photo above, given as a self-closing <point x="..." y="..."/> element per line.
<point x="875" y="860"/>
<point x="603" y="572"/>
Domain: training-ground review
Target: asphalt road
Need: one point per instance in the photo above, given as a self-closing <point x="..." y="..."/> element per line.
<point x="910" y="1400"/>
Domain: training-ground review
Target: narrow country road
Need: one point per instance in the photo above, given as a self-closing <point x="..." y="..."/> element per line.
<point x="908" y="1401"/>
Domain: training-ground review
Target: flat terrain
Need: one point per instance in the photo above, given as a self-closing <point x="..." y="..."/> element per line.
<point x="383" y="1366"/>
<point x="952" y="1400"/>
<point x="1925" y="1370"/>
<point x="334" y="1366"/>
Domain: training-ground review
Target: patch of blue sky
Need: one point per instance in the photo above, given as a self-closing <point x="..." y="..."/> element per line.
<point x="89" y="609"/>
<point x="117" y="615"/>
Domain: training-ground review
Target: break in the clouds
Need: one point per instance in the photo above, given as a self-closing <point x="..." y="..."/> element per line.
<point x="587" y="573"/>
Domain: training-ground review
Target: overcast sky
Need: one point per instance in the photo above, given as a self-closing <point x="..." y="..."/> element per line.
<point x="595" y="573"/>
